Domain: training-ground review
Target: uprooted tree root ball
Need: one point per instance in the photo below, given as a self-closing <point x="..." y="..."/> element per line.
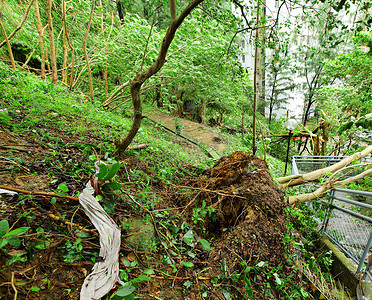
<point x="248" y="223"/>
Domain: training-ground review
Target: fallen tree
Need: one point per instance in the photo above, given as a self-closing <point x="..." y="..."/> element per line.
<point x="337" y="179"/>
<point x="330" y="184"/>
<point x="293" y="180"/>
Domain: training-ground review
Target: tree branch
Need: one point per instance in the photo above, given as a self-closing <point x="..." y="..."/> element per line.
<point x="20" y="24"/>
<point x="326" y="187"/>
<point x="293" y="180"/>
<point x="173" y="10"/>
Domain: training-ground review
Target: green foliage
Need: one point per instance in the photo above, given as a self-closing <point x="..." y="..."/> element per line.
<point x="73" y="251"/>
<point x="11" y="238"/>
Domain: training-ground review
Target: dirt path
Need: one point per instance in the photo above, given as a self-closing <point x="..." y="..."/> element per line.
<point x="197" y="133"/>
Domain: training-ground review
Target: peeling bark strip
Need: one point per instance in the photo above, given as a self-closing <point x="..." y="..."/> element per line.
<point x="141" y="77"/>
<point x="293" y="180"/>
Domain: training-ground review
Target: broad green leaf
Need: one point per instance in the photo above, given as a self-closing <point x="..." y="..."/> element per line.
<point x="112" y="186"/>
<point x="125" y="290"/>
<point x="41" y="245"/>
<point x="206" y="245"/>
<point x="62" y="187"/>
<point x="187" y="264"/>
<point x="17" y="232"/>
<point x="15" y="242"/>
<point x="149" y="272"/>
<point x="112" y="172"/>
<point x="188" y="238"/>
<point x="102" y="171"/>
<point x="3" y="242"/>
<point x="4" y="227"/>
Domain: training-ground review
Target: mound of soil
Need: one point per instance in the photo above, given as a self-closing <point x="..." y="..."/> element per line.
<point x="251" y="222"/>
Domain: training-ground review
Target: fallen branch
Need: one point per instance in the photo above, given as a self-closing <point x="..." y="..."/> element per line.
<point x="293" y="180"/>
<point x="37" y="193"/>
<point x="110" y="99"/>
<point x="137" y="147"/>
<point x="326" y="187"/>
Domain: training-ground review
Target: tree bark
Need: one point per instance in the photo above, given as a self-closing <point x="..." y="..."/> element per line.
<point x="53" y="61"/>
<point x="293" y="180"/>
<point x="40" y="30"/>
<point x="8" y="44"/>
<point x="86" y="54"/>
<point x="120" y="11"/>
<point x="20" y="24"/>
<point x="141" y="77"/>
<point x="326" y="187"/>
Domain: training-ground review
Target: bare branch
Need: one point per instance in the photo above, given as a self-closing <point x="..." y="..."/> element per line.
<point x="326" y="187"/>
<point x="173" y="10"/>
<point x="20" y="24"/>
<point x="293" y="180"/>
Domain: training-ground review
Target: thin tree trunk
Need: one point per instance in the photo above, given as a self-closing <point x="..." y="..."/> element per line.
<point x="64" y="37"/>
<point x="254" y="147"/>
<point x="103" y="33"/>
<point x="40" y="30"/>
<point x="120" y="11"/>
<point x="64" y="23"/>
<point x="325" y="137"/>
<point x="8" y="44"/>
<point x="86" y="54"/>
<point x="53" y="61"/>
<point x="20" y="24"/>
<point x="141" y="77"/>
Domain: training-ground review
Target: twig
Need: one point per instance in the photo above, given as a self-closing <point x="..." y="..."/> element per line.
<point x="37" y="193"/>
<point x="14" y="287"/>
<point x="13" y="162"/>
<point x="192" y="201"/>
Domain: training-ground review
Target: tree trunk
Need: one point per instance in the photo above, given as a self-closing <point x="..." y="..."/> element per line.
<point x="64" y="44"/>
<point x="20" y="25"/>
<point x="294" y="180"/>
<point x="326" y="187"/>
<point x="120" y="11"/>
<point x="7" y="44"/>
<point x="40" y="30"/>
<point x="142" y="76"/>
<point x="53" y="62"/>
<point x="325" y="137"/>
<point x="86" y="54"/>
<point x="72" y="71"/>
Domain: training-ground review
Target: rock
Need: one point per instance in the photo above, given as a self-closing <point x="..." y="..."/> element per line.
<point x="140" y="234"/>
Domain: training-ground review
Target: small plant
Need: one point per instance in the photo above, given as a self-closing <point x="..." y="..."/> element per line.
<point x="74" y="251"/>
<point x="11" y="238"/>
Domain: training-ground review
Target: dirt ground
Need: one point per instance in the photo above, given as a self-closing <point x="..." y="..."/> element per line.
<point x="234" y="205"/>
<point x="195" y="132"/>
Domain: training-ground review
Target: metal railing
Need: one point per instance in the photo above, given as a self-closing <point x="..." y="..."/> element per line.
<point x="348" y="225"/>
<point x="345" y="221"/>
<point x="306" y="164"/>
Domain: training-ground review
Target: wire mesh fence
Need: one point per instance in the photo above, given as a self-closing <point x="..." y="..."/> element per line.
<point x="346" y="217"/>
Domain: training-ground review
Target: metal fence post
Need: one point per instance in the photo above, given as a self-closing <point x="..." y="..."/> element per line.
<point x="365" y="253"/>
<point x="328" y="211"/>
